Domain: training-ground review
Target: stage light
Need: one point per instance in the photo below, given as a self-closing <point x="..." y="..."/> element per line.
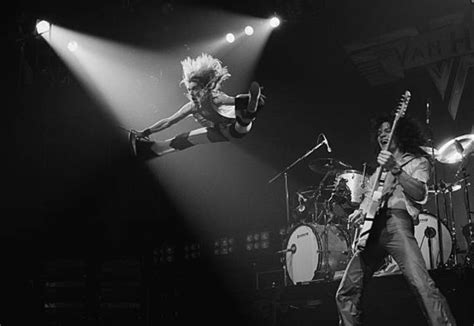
<point x="163" y="255"/>
<point x="257" y="241"/>
<point x="42" y="27"/>
<point x="248" y="30"/>
<point x="192" y="251"/>
<point x="274" y="22"/>
<point x="224" y="246"/>
<point x="230" y="38"/>
<point x="72" y="46"/>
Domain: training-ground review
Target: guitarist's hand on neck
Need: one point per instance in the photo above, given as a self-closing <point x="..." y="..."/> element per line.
<point x="387" y="160"/>
<point x="390" y="152"/>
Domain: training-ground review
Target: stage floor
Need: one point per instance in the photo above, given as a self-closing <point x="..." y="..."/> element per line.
<point x="388" y="301"/>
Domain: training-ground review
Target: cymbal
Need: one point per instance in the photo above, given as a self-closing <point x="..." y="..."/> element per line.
<point x="325" y="165"/>
<point x="430" y="150"/>
<point x="455" y="149"/>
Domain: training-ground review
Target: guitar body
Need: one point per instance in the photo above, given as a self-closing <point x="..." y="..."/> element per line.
<point x="370" y="208"/>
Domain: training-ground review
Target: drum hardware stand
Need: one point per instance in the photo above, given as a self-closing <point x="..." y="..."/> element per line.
<point x="435" y="184"/>
<point x="447" y="190"/>
<point x="430" y="233"/>
<point x="468" y="260"/>
<point x="328" y="273"/>
<point x="284" y="172"/>
<point x="318" y="195"/>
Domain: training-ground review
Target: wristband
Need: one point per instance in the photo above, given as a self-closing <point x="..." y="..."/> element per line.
<point x="396" y="170"/>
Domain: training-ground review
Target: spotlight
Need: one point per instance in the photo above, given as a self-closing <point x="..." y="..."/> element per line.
<point x="248" y="30"/>
<point x="230" y="38"/>
<point x="257" y="241"/>
<point x="72" y="46"/>
<point x="274" y="22"/>
<point x="224" y="246"/>
<point x="42" y="27"/>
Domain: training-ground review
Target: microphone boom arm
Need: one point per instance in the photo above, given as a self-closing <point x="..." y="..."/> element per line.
<point x="284" y="172"/>
<point x="289" y="167"/>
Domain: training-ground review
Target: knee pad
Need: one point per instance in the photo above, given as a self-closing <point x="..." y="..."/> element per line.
<point x="181" y="141"/>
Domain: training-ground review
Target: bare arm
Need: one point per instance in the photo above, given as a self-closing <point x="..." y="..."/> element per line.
<point x="162" y="124"/>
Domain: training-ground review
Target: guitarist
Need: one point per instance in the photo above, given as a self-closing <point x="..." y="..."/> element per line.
<point x="221" y="116"/>
<point x="405" y="175"/>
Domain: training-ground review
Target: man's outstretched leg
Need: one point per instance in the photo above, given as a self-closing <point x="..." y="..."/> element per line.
<point x="141" y="147"/>
<point x="147" y="149"/>
<point x="246" y="108"/>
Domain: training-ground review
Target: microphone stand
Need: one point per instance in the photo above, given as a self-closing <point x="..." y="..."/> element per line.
<point x="284" y="172"/>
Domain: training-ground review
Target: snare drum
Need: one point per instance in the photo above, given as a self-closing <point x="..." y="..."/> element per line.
<point x="306" y="249"/>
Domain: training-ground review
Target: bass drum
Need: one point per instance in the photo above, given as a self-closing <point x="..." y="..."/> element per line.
<point x="428" y="227"/>
<point x="306" y="247"/>
<point x="427" y="236"/>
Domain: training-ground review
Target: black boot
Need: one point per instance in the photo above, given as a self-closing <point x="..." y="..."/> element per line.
<point x="140" y="148"/>
<point x="248" y="105"/>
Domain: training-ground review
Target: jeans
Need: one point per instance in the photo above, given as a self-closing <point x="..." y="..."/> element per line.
<point x="392" y="233"/>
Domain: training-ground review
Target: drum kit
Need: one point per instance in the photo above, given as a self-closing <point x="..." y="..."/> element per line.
<point x="319" y="238"/>
<point x="318" y="246"/>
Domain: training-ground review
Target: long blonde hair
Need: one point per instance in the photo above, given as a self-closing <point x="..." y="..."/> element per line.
<point x="205" y="70"/>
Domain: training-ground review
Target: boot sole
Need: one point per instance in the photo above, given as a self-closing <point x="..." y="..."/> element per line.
<point x="254" y="97"/>
<point x="132" y="142"/>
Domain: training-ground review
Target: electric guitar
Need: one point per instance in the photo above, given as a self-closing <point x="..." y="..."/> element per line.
<point x="374" y="199"/>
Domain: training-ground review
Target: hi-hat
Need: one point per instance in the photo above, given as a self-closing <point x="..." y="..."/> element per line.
<point x="455" y="149"/>
<point x="325" y="165"/>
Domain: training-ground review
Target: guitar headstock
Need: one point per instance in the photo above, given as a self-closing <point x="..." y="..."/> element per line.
<point x="402" y="106"/>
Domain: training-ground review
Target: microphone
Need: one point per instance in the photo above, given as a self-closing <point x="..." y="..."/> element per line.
<point x="327" y="144"/>
<point x="428" y="111"/>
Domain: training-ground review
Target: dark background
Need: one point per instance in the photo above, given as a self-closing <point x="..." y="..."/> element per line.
<point x="72" y="192"/>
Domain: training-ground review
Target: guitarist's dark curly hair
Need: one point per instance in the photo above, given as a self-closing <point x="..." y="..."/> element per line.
<point x="409" y="133"/>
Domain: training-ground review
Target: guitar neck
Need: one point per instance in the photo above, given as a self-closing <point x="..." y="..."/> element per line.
<point x="378" y="172"/>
